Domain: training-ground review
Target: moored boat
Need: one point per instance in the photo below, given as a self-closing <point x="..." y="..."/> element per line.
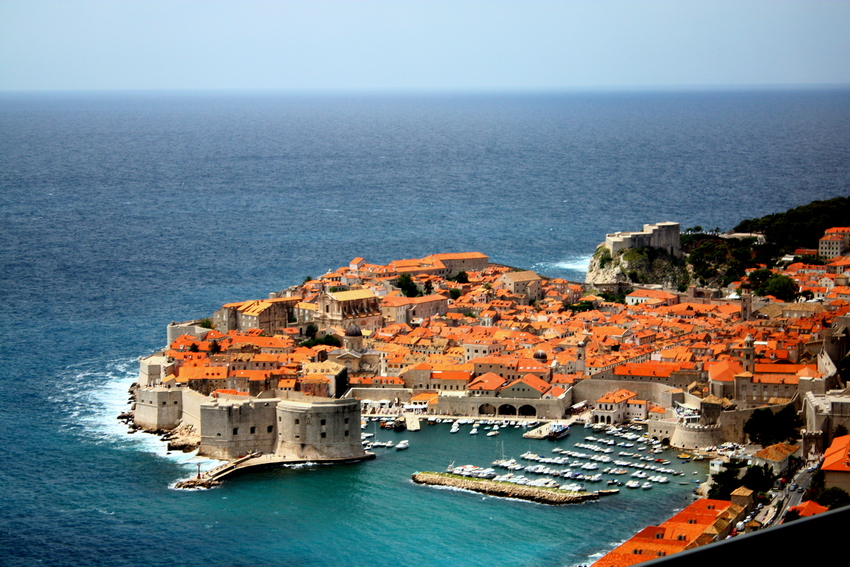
<point x="557" y="431"/>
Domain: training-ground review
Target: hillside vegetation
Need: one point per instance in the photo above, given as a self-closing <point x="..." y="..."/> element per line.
<point x="800" y="227"/>
<point x="713" y="261"/>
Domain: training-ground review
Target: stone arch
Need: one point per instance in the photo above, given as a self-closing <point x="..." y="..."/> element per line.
<point x="486" y="409"/>
<point x="507" y="409"/>
<point x="527" y="411"/>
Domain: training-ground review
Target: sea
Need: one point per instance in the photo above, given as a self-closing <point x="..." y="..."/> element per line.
<point x="121" y="212"/>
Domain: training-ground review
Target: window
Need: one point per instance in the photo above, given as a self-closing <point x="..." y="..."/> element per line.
<point x="297" y="421"/>
<point x="324" y="435"/>
<point x="323" y="422"/>
<point x="236" y="431"/>
<point x="269" y="429"/>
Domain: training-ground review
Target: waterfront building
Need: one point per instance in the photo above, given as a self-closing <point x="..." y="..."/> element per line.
<point x="700" y="523"/>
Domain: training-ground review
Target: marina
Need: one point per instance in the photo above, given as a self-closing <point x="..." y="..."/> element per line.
<point x="589" y="461"/>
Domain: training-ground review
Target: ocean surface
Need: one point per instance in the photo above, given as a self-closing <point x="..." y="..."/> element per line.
<point x="122" y="212"/>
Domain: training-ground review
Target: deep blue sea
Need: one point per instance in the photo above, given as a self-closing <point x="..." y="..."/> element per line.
<point x="122" y="212"/>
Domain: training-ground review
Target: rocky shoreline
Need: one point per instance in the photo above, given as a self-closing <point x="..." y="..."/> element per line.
<point x="182" y="438"/>
<point x="503" y="489"/>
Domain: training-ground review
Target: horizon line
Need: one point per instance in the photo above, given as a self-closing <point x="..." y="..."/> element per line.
<point x="444" y="91"/>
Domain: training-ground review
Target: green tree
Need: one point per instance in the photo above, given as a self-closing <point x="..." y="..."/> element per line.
<point x="311" y="330"/>
<point x="725" y="481"/>
<point x="786" y="424"/>
<point x="407" y="286"/>
<point x="215" y="347"/>
<point x="779" y="286"/>
<point x="194" y="347"/>
<point x="833" y="498"/>
<point x="462" y="277"/>
<point x="759" y="479"/>
<point x="206" y="323"/>
<point x="766" y="428"/>
<point x="759" y="277"/>
<point x="758" y="426"/>
<point x="454" y="293"/>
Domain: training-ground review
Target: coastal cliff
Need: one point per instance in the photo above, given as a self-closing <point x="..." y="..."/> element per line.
<point x="637" y="266"/>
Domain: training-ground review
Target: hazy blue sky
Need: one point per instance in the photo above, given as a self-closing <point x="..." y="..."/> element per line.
<point x="421" y="45"/>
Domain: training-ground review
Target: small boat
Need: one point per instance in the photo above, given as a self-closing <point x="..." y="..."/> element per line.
<point x="474" y="431"/>
<point x="557" y="431"/>
<point x="492" y="433"/>
<point x="683" y="456"/>
<point x="402" y="445"/>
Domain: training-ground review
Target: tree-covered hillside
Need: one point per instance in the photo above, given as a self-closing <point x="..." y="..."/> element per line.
<point x="800" y="227"/>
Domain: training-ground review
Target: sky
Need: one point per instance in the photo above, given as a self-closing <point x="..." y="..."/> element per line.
<point x="421" y="45"/>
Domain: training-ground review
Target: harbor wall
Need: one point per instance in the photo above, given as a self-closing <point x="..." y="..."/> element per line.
<point x="232" y="428"/>
<point x="318" y="430"/>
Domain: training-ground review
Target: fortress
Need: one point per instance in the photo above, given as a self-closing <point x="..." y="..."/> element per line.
<point x="289" y="426"/>
<point x="663" y="235"/>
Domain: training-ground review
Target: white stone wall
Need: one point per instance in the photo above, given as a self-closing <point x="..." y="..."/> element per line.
<point x="318" y="430"/>
<point x="232" y="428"/>
<point x="158" y="408"/>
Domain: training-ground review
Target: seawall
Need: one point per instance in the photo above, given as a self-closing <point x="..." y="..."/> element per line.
<point x="503" y="489"/>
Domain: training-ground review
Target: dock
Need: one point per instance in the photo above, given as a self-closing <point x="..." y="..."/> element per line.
<point x="411" y="421"/>
<point x="541" y="431"/>
<point x="504" y="489"/>
<point x="255" y="461"/>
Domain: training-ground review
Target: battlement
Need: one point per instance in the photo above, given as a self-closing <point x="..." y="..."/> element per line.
<point x="663" y="235"/>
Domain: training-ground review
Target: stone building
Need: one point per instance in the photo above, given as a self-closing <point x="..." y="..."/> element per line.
<point x="663" y="235"/>
<point x="269" y="315"/>
<point x="289" y="425"/>
<point x="526" y="284"/>
<point x="344" y="308"/>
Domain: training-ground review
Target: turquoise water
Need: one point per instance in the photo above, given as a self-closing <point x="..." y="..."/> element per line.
<point x="122" y="212"/>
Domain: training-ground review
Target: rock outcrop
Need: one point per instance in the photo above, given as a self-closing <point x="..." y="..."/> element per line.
<point x="643" y="266"/>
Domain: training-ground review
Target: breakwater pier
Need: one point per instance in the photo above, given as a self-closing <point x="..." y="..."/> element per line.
<point x="503" y="489"/>
<point x="254" y="462"/>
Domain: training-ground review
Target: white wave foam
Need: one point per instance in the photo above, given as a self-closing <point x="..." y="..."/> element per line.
<point x="575" y="263"/>
<point x="93" y="398"/>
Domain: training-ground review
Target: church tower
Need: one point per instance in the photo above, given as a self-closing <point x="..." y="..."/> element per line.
<point x="580" y="357"/>
<point x="749" y="355"/>
<point x="746" y="302"/>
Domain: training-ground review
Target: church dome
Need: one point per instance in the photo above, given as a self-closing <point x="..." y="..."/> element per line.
<point x="353" y="331"/>
<point x="540" y="355"/>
